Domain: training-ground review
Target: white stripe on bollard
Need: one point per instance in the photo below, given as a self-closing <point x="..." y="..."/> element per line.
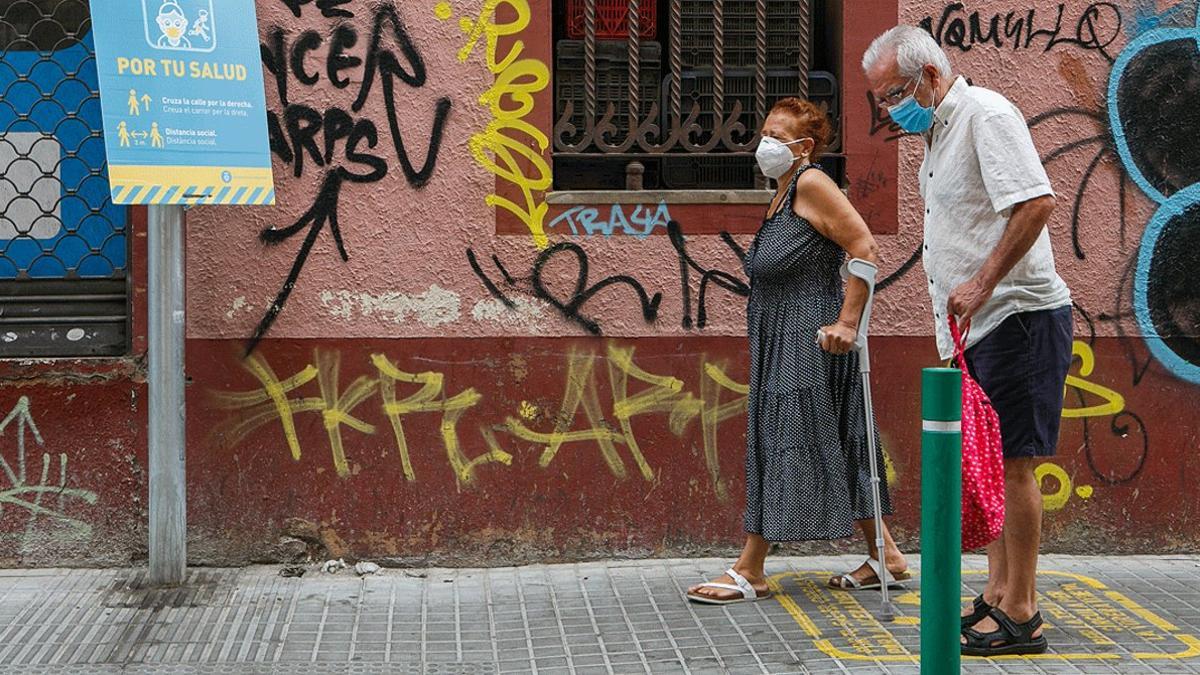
<point x="947" y="427"/>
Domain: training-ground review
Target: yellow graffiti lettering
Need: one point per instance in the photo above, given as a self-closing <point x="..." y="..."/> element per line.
<point x="269" y="403"/>
<point x="664" y="395"/>
<point x="430" y="398"/>
<point x="518" y="80"/>
<point x="509" y="151"/>
<point x="1056" y="500"/>
<point x="529" y="411"/>
<point x="336" y="408"/>
<point x="486" y="26"/>
<point x="580" y="391"/>
<point x="714" y="412"/>
<point x="508" y="85"/>
<point x="635" y="392"/>
<point x="1113" y="401"/>
<point x="889" y="469"/>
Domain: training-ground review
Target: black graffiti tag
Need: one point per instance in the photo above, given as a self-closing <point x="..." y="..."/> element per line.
<point x="571" y="305"/>
<point x="879" y="123"/>
<point x="330" y="9"/>
<point x="1096" y="28"/>
<point x="707" y="275"/>
<point x="336" y="140"/>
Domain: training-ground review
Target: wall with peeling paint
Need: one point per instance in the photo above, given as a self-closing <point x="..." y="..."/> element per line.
<point x="463" y="370"/>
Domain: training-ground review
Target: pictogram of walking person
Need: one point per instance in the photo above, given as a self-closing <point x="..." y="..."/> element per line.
<point x="134" y="107"/>
<point x="156" y="139"/>
<point x="201" y="28"/>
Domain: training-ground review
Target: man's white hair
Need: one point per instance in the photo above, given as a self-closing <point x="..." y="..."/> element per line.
<point x="914" y="47"/>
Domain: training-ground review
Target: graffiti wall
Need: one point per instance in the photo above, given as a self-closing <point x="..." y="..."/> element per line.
<point x="425" y="353"/>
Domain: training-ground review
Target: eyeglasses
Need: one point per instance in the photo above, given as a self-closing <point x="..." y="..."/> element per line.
<point x="896" y="94"/>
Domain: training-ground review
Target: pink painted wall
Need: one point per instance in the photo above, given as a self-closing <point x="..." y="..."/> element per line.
<point x="408" y="277"/>
<point x="407" y="274"/>
<point x="261" y="456"/>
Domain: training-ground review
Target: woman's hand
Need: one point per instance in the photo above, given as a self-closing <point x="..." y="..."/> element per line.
<point x="837" y="338"/>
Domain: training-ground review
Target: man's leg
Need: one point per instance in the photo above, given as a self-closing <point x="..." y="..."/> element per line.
<point x="1015" y="554"/>
<point x="993" y="591"/>
<point x="1050" y="335"/>
<point x="1022" y="368"/>
<point x="1022" y="538"/>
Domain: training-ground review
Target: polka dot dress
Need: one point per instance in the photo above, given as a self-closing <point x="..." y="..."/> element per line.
<point x="807" y="470"/>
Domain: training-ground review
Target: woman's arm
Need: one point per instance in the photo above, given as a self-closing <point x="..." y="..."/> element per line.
<point x="819" y="200"/>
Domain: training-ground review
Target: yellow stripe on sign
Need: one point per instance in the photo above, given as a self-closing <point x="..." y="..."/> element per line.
<point x="178" y="181"/>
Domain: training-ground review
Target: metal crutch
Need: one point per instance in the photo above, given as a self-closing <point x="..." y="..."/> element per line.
<point x="862" y="269"/>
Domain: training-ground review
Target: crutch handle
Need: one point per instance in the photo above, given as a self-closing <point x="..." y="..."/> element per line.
<point x="867" y="271"/>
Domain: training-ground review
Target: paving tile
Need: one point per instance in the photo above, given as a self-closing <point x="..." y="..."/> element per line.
<point x="1128" y="616"/>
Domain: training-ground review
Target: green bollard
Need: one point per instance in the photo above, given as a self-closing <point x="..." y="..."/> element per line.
<point x="941" y="519"/>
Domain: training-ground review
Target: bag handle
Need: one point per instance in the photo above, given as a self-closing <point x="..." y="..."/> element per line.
<point x="960" y="340"/>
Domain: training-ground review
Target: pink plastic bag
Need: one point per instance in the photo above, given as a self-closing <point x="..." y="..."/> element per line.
<point x="982" y="458"/>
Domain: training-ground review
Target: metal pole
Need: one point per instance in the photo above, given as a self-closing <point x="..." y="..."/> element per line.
<point x="168" y="490"/>
<point x="867" y="271"/>
<point x="941" y="519"/>
<point x="886" y="611"/>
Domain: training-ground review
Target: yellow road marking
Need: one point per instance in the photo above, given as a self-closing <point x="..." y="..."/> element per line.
<point x="827" y="646"/>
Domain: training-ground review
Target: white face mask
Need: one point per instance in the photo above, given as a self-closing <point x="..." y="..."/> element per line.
<point x="774" y="158"/>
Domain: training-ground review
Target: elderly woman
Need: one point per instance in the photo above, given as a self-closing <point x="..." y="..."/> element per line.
<point x="807" y="468"/>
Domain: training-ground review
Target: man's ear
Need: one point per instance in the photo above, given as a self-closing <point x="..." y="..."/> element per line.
<point x="932" y="75"/>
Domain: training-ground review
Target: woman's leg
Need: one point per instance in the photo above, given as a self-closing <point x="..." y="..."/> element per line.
<point x="895" y="559"/>
<point x="896" y="562"/>
<point x="750" y="564"/>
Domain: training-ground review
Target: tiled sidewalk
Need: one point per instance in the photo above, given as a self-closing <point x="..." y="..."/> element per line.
<point x="1105" y="615"/>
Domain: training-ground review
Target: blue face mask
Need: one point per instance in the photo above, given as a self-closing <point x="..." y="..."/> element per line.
<point x="910" y="115"/>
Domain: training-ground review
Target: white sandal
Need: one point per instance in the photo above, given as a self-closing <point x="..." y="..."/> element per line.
<point x="847" y="582"/>
<point x="740" y="584"/>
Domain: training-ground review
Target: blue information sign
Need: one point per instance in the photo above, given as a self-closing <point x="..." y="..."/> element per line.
<point x="181" y="89"/>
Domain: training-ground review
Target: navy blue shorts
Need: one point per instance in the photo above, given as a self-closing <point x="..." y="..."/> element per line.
<point x="1022" y="366"/>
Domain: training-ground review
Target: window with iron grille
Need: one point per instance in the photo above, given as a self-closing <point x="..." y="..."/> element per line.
<point x="64" y="249"/>
<point x="670" y="94"/>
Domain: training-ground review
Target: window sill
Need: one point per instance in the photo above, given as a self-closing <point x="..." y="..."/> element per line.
<point x="706" y="197"/>
<point x="73" y="369"/>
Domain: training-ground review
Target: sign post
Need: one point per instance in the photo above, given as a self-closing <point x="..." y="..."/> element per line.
<point x="168" y="481"/>
<point x="185" y="124"/>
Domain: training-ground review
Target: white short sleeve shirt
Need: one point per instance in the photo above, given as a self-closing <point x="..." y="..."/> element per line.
<point x="980" y="161"/>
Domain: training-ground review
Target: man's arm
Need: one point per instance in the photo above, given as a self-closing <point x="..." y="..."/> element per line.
<point x="1023" y="229"/>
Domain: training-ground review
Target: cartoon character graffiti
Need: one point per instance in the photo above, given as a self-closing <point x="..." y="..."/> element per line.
<point x="1159" y="151"/>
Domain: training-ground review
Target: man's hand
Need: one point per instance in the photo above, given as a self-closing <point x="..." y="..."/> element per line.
<point x="837" y="338"/>
<point x="966" y="300"/>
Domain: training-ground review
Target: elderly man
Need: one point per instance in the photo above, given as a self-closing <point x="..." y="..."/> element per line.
<point x="988" y="261"/>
